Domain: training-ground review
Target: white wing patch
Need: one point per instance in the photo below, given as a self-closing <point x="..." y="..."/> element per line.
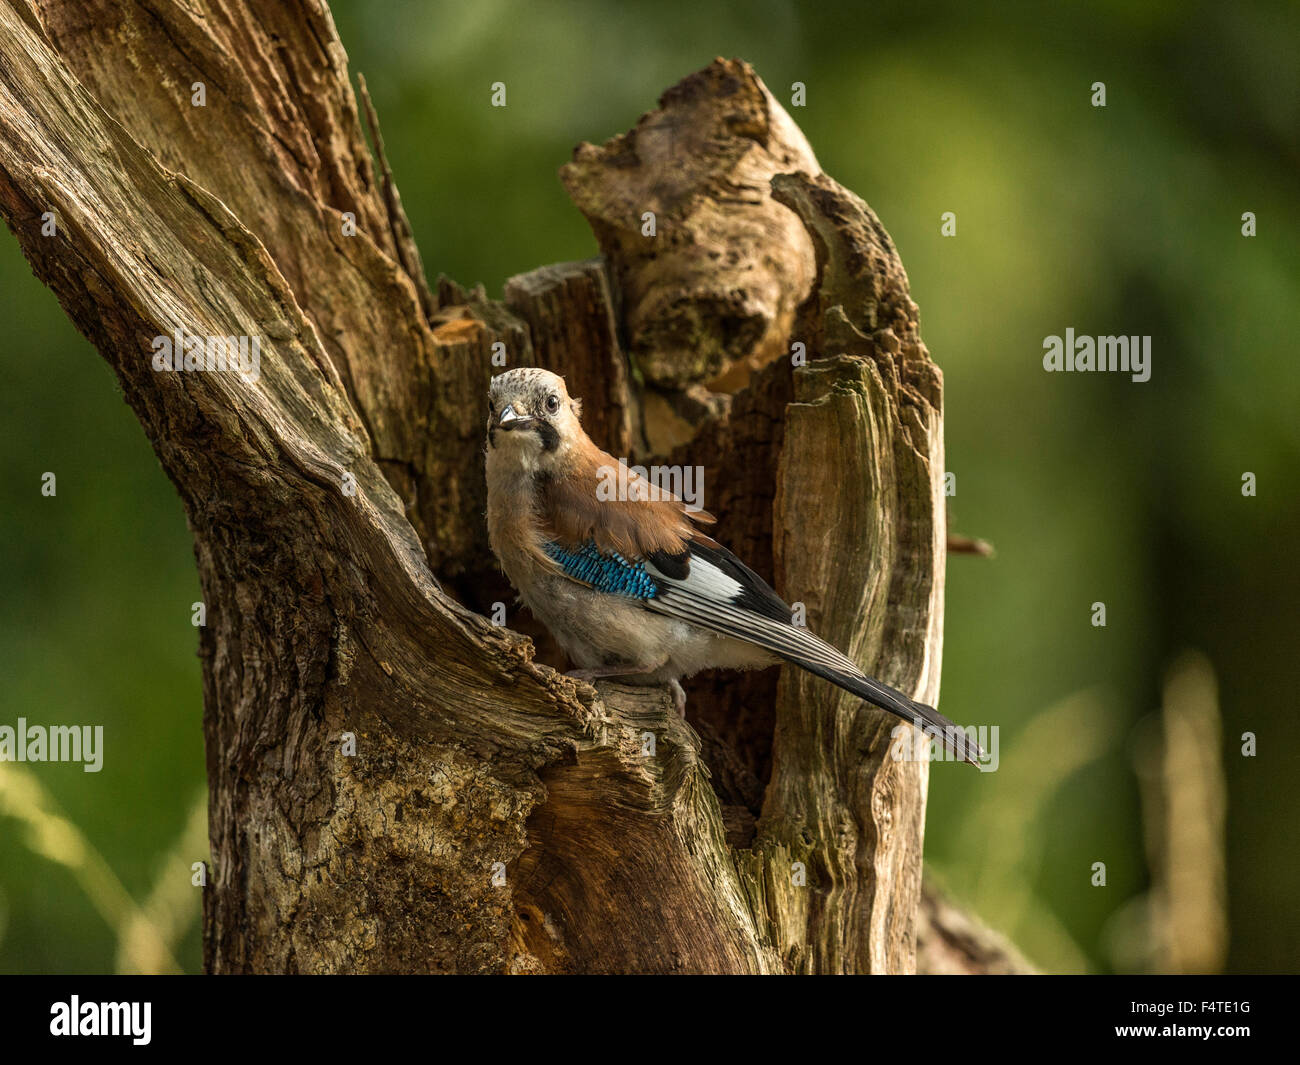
<point x="704" y="580"/>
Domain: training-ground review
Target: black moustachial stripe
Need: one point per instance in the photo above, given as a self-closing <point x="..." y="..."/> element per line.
<point x="550" y="438"/>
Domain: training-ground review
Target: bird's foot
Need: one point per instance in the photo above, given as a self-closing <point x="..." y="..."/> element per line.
<point x="608" y="672"/>
<point x="679" y="697"/>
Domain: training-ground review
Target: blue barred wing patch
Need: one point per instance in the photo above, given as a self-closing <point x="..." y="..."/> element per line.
<point x="605" y="572"/>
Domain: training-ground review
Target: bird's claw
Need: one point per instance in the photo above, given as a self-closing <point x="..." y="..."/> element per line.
<point x="679" y="697"/>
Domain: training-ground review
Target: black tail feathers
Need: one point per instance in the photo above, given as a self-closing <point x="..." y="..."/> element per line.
<point x="955" y="738"/>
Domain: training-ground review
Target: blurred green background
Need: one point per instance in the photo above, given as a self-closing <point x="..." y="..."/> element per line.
<point x="1124" y="219"/>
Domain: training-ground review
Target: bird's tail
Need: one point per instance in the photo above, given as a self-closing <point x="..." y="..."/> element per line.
<point x="807" y="651"/>
<point x="955" y="738"/>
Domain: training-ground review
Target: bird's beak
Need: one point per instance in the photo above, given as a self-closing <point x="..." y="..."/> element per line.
<point x="509" y="419"/>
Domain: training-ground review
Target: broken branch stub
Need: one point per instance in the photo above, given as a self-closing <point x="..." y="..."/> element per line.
<point x="710" y="269"/>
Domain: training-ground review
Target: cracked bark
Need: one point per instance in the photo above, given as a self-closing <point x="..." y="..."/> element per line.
<point x="497" y="816"/>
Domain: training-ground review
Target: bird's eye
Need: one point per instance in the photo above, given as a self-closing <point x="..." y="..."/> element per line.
<point x="552" y="403"/>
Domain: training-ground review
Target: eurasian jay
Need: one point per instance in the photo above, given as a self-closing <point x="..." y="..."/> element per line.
<point x="630" y="587"/>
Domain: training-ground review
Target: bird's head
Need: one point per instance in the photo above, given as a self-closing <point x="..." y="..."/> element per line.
<point x="531" y="414"/>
